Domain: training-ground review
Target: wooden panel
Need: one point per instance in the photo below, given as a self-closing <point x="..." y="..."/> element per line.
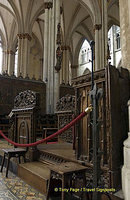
<point x="113" y="118"/>
<point x="66" y="89"/>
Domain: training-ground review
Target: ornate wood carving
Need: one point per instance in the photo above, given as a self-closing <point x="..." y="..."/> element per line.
<point x="65" y="109"/>
<point x="66" y="103"/>
<point x="25" y="99"/>
<point x="53" y="159"/>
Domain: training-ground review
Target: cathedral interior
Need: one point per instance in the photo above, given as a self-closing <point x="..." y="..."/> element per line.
<point x="64" y="99"/>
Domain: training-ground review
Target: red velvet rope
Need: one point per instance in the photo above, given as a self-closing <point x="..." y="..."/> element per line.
<point x="49" y="137"/>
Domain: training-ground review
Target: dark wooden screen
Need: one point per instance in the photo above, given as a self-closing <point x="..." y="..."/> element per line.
<point x="10" y="87"/>
<point x="113" y="120"/>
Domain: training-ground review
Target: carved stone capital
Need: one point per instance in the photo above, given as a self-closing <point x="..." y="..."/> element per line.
<point x="48" y="5"/>
<point x="97" y="27"/>
<point x="9" y="52"/>
<point x="24" y="36"/>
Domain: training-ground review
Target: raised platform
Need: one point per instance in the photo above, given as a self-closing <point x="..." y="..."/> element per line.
<point x="37" y="174"/>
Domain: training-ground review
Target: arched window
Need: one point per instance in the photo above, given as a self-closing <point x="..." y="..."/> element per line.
<point x="84" y="58"/>
<point x="114" y="45"/>
<point x="1" y="55"/>
<point x="85" y="53"/>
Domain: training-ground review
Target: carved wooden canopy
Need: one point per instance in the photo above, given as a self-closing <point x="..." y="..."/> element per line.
<point x="25" y="99"/>
<point x="66" y="103"/>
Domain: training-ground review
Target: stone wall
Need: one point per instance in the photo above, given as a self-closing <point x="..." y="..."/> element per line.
<point x="126" y="167"/>
<point x="125" y="32"/>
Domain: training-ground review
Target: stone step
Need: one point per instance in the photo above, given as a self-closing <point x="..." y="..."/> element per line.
<point x="35" y="174"/>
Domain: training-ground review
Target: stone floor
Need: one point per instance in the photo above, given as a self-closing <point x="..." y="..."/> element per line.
<point x="13" y="188"/>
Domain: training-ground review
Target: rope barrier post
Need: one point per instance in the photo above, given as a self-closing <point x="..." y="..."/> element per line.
<point x="95" y="95"/>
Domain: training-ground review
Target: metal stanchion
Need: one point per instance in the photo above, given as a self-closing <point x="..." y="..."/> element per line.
<point x="95" y="95"/>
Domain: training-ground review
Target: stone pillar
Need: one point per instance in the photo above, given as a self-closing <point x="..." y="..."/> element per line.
<point x="57" y="35"/>
<point x="26" y="51"/>
<point x="65" y="64"/>
<point x="19" y="66"/>
<point x="45" y="64"/>
<point x="125" y="32"/>
<point x="104" y="33"/>
<point x="11" y="61"/>
<point x="126" y="167"/>
<point x="101" y="39"/>
<point x="52" y="61"/>
<point x="5" y="60"/>
<point x="48" y="73"/>
<point x="23" y="53"/>
<point x="74" y="69"/>
<point x="98" y="62"/>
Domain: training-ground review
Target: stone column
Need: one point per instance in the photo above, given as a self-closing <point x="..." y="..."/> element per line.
<point x="66" y="78"/>
<point x="125" y="32"/>
<point x="23" y="53"/>
<point x="65" y="65"/>
<point x="74" y="69"/>
<point x="45" y="64"/>
<point x="126" y="167"/>
<point x="19" y="66"/>
<point x="52" y="61"/>
<point x="97" y="29"/>
<point x="56" y="73"/>
<point x="50" y="73"/>
<point x="11" y="61"/>
<point x="104" y="33"/>
<point x="48" y="54"/>
<point x="5" y="60"/>
<point x="26" y="51"/>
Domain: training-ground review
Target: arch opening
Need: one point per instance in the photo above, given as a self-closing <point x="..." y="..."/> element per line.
<point x="114" y="46"/>
<point x="84" y="59"/>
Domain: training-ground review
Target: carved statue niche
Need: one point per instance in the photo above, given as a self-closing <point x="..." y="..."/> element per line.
<point x="26" y="107"/>
<point x="65" y="110"/>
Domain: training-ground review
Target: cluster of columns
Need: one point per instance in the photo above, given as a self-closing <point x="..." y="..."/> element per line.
<point x="51" y="76"/>
<point x="23" y="53"/>
<point x="8" y="63"/>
